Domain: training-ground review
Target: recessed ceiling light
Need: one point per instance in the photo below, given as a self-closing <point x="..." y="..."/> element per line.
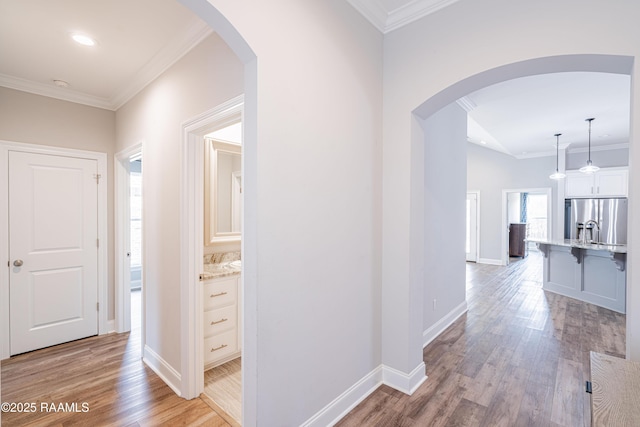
<point x="483" y="142"/>
<point x="83" y="40"/>
<point x="60" y="83"/>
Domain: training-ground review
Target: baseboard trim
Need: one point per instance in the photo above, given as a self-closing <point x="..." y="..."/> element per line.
<point x="442" y="324"/>
<point x="158" y="365"/>
<point x="406" y="383"/>
<point x="111" y="326"/>
<point x="490" y="261"/>
<point x="341" y="405"/>
<point x="354" y="395"/>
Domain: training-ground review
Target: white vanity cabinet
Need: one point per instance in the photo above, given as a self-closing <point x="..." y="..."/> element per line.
<point x="221" y="320"/>
<point x="607" y="182"/>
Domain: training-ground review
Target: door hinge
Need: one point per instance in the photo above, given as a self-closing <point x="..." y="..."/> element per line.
<point x="97" y="306"/>
<point x="97" y="243"/>
<point x="97" y="177"/>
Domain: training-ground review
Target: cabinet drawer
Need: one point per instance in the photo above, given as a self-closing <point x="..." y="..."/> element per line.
<point x="220" y="346"/>
<point x="219" y="293"/>
<point x="219" y="320"/>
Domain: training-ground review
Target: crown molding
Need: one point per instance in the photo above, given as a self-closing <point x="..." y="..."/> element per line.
<point x="171" y="53"/>
<point x="466" y="104"/>
<point x="413" y="11"/>
<point x="196" y="31"/>
<point x="51" y="91"/>
<point x="388" y="20"/>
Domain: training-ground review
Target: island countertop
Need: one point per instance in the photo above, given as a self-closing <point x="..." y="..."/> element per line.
<point x="620" y="249"/>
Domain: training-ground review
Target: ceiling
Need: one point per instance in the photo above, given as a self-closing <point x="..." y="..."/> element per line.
<point x="518" y="117"/>
<point x="132" y="48"/>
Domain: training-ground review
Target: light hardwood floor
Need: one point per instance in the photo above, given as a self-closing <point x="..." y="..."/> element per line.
<point x="223" y="385"/>
<point x="519" y="357"/>
<point x="107" y="373"/>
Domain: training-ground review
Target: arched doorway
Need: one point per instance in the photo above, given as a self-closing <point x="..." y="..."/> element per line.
<point x="425" y="258"/>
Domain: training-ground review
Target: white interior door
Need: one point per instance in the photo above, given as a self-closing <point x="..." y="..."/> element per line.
<point x="472" y="227"/>
<point x="53" y="248"/>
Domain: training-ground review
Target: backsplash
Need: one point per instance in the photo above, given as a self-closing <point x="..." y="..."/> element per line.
<point x="221" y="257"/>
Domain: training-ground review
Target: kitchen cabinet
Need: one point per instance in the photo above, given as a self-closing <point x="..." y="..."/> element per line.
<point x="609" y="182"/>
<point x="221" y="320"/>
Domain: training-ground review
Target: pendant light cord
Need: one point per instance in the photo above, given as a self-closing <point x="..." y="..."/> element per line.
<point x="590" y="120"/>
<point x="557" y="135"/>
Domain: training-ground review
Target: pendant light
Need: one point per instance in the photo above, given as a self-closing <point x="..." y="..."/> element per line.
<point x="557" y="174"/>
<point x="590" y="167"/>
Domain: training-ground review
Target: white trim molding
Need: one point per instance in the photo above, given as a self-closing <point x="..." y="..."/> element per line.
<point x="191" y="241"/>
<point x="442" y="324"/>
<point x="387" y="20"/>
<point x="343" y="404"/>
<point x="164" y="370"/>
<point x="490" y="261"/>
<point x="104" y="325"/>
<point x="406" y="383"/>
<point x="121" y="185"/>
<point x="354" y="395"/>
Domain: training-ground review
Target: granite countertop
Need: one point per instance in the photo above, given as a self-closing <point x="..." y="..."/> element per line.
<point x="621" y="249"/>
<point x="225" y="269"/>
<point x="221" y="264"/>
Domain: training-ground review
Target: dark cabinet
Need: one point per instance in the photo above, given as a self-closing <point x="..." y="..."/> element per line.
<point x="517" y="234"/>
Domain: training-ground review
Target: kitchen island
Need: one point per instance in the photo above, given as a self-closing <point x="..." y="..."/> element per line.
<point x="590" y="272"/>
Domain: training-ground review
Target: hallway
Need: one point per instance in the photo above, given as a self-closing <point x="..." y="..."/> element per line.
<point x="100" y="381"/>
<point x="520" y="356"/>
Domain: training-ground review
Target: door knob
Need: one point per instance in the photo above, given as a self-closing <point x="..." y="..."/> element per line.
<point x="18" y="263"/>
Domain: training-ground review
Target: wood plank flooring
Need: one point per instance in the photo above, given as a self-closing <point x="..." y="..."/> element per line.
<point x="107" y="373"/>
<point x="223" y="385"/>
<point x="519" y="357"/>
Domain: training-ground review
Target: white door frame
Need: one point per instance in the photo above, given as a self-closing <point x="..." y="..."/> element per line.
<point x="192" y="238"/>
<point x="505" y="226"/>
<point x="477" y="194"/>
<point x="104" y="326"/>
<point x="122" y="236"/>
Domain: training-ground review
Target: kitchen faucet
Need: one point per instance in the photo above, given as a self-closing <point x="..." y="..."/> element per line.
<point x="586" y="226"/>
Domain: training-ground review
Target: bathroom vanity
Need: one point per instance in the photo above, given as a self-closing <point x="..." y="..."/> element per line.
<point x="593" y="273"/>
<point x="222" y="316"/>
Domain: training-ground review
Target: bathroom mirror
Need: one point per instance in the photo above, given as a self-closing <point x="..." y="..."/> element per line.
<point x="223" y="191"/>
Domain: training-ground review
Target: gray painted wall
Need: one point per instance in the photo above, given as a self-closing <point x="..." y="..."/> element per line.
<point x="444" y="228"/>
<point x="491" y="172"/>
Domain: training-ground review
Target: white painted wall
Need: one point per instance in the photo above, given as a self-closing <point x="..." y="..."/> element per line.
<point x="318" y="201"/>
<point x="208" y="75"/>
<point x="445" y="186"/>
<point x="36" y="119"/>
<point x="318" y="169"/>
<point x="464" y="47"/>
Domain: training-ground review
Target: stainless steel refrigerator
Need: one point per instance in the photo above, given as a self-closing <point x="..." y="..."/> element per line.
<point x="603" y="220"/>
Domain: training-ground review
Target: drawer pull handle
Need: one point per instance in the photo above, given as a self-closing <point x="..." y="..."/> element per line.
<point x="215" y="322"/>
<point x="218" y="348"/>
<point x="217" y="295"/>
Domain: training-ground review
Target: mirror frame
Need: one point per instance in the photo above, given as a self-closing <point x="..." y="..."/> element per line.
<point x="211" y="234"/>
